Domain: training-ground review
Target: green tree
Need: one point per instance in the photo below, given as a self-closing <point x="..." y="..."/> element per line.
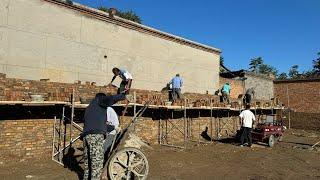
<point x="221" y="60"/>
<point x="129" y="15"/>
<point x="222" y="63"/>
<point x="105" y="9"/>
<point x="255" y="63"/>
<point x="308" y="74"/>
<point x="267" y="69"/>
<point x="282" y="76"/>
<point x="294" y="72"/>
<point x="316" y="65"/>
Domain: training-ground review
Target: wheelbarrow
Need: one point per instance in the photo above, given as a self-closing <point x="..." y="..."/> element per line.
<point x="126" y="162"/>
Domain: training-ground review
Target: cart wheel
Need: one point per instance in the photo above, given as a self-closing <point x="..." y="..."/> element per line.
<point x="128" y="163"/>
<point x="280" y="138"/>
<point x="271" y="141"/>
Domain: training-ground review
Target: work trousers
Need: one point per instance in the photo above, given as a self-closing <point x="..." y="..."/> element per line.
<point x="108" y="142"/>
<point x="93" y="156"/>
<point x="123" y="87"/>
<point x="248" y="98"/>
<point x="226" y="97"/>
<point x="246" y="136"/>
<point x="176" y="93"/>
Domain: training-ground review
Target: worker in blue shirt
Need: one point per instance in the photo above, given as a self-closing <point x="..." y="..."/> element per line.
<point x="226" y="90"/>
<point x="176" y="83"/>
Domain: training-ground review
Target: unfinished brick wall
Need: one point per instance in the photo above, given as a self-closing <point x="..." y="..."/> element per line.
<point x="237" y="86"/>
<point x="303" y="98"/>
<point x="300" y="96"/>
<point x="12" y="89"/>
<point x="26" y="138"/>
<point x="32" y="138"/>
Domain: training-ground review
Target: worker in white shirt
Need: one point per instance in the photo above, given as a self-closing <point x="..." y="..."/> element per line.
<point x="112" y="127"/>
<point x="126" y="80"/>
<point x="247" y="119"/>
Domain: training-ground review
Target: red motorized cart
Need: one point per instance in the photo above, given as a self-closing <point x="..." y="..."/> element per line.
<point x="270" y="131"/>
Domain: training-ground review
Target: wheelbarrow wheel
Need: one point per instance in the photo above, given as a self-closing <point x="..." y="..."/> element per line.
<point x="271" y="141"/>
<point x="128" y="163"/>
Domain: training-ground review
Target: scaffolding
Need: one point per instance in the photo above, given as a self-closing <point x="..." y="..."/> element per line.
<point x="170" y="127"/>
<point x="220" y="121"/>
<point x="62" y="139"/>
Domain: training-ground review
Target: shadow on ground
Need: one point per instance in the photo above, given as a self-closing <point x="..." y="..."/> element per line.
<point x="70" y="161"/>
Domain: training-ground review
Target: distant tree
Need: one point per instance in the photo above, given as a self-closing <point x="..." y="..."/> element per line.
<point x="308" y="74"/>
<point x="105" y="9"/>
<point x="267" y="70"/>
<point x="294" y="72"/>
<point x="282" y="76"/>
<point x="129" y="15"/>
<point x="222" y="63"/>
<point x="221" y="60"/>
<point x="316" y="65"/>
<point x="255" y="63"/>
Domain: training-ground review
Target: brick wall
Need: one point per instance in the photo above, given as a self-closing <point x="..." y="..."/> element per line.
<point x="237" y="86"/>
<point x="12" y="89"/>
<point x="20" y="138"/>
<point x="300" y="96"/>
<point x="32" y="138"/>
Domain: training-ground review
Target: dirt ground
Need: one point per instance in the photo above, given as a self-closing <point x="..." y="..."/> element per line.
<point x="290" y="159"/>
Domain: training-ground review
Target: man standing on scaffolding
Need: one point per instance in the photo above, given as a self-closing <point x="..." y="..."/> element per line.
<point x="94" y="133"/>
<point x="126" y="80"/>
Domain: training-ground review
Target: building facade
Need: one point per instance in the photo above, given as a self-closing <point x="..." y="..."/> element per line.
<point x="48" y="39"/>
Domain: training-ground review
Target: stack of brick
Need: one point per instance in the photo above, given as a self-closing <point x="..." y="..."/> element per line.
<point x="20" y="90"/>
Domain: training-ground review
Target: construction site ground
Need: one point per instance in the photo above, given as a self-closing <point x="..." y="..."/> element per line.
<point x="290" y="159"/>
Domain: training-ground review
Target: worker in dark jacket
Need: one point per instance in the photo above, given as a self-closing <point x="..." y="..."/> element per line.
<point x="94" y="132"/>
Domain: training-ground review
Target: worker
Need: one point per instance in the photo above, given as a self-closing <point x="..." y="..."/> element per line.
<point x="94" y="132"/>
<point x="247" y="119"/>
<point x="112" y="128"/>
<point x="176" y="84"/>
<point x="249" y="95"/>
<point x="126" y="82"/>
<point x="225" y="91"/>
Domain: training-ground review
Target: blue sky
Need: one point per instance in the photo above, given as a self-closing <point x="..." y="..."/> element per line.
<point x="283" y="32"/>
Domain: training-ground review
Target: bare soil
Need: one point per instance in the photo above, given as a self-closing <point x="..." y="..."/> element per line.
<point x="290" y="159"/>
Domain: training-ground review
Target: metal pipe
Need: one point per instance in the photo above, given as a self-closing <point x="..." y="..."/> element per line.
<point x="64" y="133"/>
<point x="72" y="116"/>
<point x="211" y="119"/>
<point x="135" y="102"/>
<point x="54" y="137"/>
<point x="289" y="115"/>
<point x="184" y="123"/>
